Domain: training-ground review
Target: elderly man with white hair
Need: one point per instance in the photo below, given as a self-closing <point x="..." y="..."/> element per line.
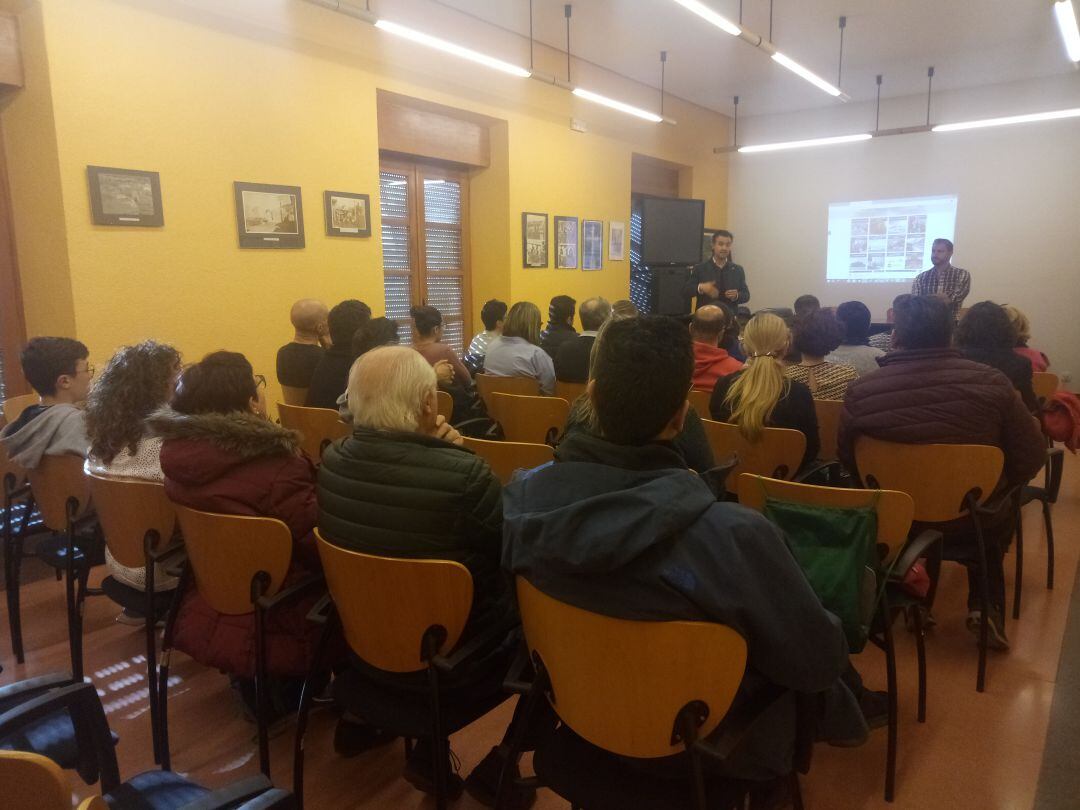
<point x="402" y="486"/>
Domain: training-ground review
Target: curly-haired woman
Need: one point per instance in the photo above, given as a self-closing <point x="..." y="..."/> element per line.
<point x="136" y="382"/>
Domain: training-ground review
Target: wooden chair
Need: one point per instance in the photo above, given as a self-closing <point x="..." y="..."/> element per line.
<point x="317" y="427"/>
<point x="1045" y="384"/>
<point x="569" y="391"/>
<point x="32" y="781"/>
<point x="400" y="616"/>
<point x="293" y="395"/>
<point x="446" y="405"/>
<point x="946" y="482"/>
<point x="238" y="564"/>
<point x="641" y="689"/>
<point x="777" y="454"/>
<point x="138" y="521"/>
<point x="535" y="420"/>
<point x="506" y="457"/>
<point x="487" y="384"/>
<point x="700" y="400"/>
<point x="828" y="419"/>
<point x="895" y="511"/>
<point x="14" y="406"/>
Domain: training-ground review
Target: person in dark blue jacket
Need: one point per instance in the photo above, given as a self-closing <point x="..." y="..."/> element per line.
<point x="619" y="526"/>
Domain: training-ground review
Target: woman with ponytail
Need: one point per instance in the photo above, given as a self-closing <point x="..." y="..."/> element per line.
<point x="760" y="395"/>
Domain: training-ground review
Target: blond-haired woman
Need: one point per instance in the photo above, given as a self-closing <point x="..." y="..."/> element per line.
<point x="1022" y="327"/>
<point x="761" y="395"/>
<point x="517" y="352"/>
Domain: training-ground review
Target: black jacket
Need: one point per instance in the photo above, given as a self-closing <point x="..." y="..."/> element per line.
<point x="330" y="379"/>
<point x="795" y="410"/>
<point x="729" y="277"/>
<point x="407" y="495"/>
<point x="572" y="359"/>
<point x="555" y="335"/>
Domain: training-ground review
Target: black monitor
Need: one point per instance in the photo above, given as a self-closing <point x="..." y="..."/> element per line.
<point x="671" y="231"/>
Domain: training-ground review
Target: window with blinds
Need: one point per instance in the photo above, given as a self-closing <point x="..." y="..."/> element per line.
<point x="424" y="220"/>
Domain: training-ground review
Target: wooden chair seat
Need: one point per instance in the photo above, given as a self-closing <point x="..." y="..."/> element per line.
<point x="828" y="419"/>
<point x="534" y="420"/>
<point x="569" y="391"/>
<point x="506" y="457"/>
<point x="487" y="384"/>
<point x="317" y="427"/>
<point x="700" y="400"/>
<point x="776" y="454"/>
<point x="1045" y="385"/>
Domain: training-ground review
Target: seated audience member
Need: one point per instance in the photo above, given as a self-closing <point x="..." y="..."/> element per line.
<point x="517" y="353"/>
<point x="572" y="359"/>
<point x="805" y="304"/>
<point x="493" y="315"/>
<point x="619" y="526"/>
<point x="761" y="396"/>
<point x="730" y="342"/>
<point x="926" y="392"/>
<point x="814" y="336"/>
<point x="135" y="382"/>
<point x="375" y="333"/>
<point x="707" y="328"/>
<point x="883" y="340"/>
<point x="445" y="504"/>
<point x="59" y="373"/>
<point x="427" y="341"/>
<point x="855" y="349"/>
<point x="332" y="373"/>
<point x="623" y="309"/>
<point x="296" y="360"/>
<point x="1022" y="329"/>
<point x="986" y="336"/>
<point x="560" y="327"/>
<point x="222" y="454"/>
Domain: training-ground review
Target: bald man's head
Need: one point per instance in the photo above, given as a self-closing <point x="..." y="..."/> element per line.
<point x="593" y="312"/>
<point x="709" y="324"/>
<point x="308" y="318"/>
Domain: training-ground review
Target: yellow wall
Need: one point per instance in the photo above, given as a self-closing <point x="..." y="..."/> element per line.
<point x="280" y="91"/>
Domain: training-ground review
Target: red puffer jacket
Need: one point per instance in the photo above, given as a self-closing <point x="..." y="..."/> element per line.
<point x="928" y="396"/>
<point x="242" y="464"/>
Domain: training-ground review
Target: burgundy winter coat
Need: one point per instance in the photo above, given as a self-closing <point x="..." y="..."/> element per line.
<point x="929" y="396"/>
<point x="242" y="464"/>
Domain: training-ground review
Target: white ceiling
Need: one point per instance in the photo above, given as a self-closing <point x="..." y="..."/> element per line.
<point x="969" y="42"/>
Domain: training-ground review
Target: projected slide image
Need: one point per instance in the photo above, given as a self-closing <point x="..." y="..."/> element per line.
<point x="886" y="240"/>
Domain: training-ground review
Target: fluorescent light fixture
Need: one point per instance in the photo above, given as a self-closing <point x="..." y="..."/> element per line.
<point x="774" y="147"/>
<point x="1011" y="119"/>
<point x="1070" y="31"/>
<point x="588" y="95"/>
<point x="451" y="48"/>
<point x="706" y="13"/>
<point x="809" y="75"/>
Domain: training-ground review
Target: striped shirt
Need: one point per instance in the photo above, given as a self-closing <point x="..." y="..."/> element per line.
<point x="825" y="380"/>
<point x="952" y="282"/>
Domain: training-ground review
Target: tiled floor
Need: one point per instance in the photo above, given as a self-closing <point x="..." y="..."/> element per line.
<point x="975" y="751"/>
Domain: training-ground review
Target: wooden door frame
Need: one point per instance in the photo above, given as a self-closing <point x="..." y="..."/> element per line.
<point x="12" y="317"/>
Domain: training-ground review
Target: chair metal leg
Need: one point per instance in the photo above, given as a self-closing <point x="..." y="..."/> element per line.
<point x="517" y="741"/>
<point x="890" y="670"/>
<point x="1019" y="586"/>
<point x="1049" y="523"/>
<point x="163" y="668"/>
<point x="261" y="697"/>
<point x="69" y="588"/>
<point x="920" y="652"/>
<point x="440" y="746"/>
<point x="149" y="628"/>
<point x="317" y="667"/>
<point x="12" y="564"/>
<point x="984" y="596"/>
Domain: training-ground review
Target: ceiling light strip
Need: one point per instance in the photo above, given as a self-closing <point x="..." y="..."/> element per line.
<point x="1065" y="12"/>
<point x="451" y="48"/>
<point x="707" y="14"/>
<point x="807" y="74"/>
<point x="776" y="147"/>
<point x="621" y="106"/>
<point x="1031" y="118"/>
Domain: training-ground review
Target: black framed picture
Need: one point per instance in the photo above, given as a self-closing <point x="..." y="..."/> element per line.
<point x="592" y="244"/>
<point x="269" y="216"/>
<point x="534" y="240"/>
<point x="127" y="197"/>
<point x="566" y="243"/>
<point x="347" y="214"/>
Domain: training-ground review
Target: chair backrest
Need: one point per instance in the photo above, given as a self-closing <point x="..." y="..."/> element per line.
<point x="569" y="390"/>
<point x="7" y="466"/>
<point x="446" y="404"/>
<point x="487" y="384"/>
<point x="895" y="510"/>
<point x="530" y="419"/>
<point x="226" y="551"/>
<point x="700" y="401"/>
<point x="128" y="508"/>
<point x="33" y="782"/>
<point x="293" y="395"/>
<point x="1045" y="384"/>
<point x="53" y="482"/>
<point x="828" y="419"/>
<point x="315" y="425"/>
<point x="776" y="454"/>
<point x="938" y="477"/>
<point x="621" y="684"/>
<point x="14" y="406"/>
<point x="387" y="604"/>
<point x="505" y="457"/>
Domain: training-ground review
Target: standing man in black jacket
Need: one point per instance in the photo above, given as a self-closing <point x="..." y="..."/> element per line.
<point x="718" y="280"/>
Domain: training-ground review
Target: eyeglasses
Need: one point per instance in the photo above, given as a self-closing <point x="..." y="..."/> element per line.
<point x="89" y="370"/>
<point x="260" y="381"/>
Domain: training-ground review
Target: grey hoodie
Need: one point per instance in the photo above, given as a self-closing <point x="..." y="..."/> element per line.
<point x="56" y="431"/>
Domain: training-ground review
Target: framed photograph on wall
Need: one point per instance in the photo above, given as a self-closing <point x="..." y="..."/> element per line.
<point x="125" y="197"/>
<point x="706" y="243"/>
<point x="566" y="243"/>
<point x="534" y="240"/>
<point x="616" y="247"/>
<point x="347" y="214"/>
<point x="592" y="244"/>
<point x="269" y="216"/>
